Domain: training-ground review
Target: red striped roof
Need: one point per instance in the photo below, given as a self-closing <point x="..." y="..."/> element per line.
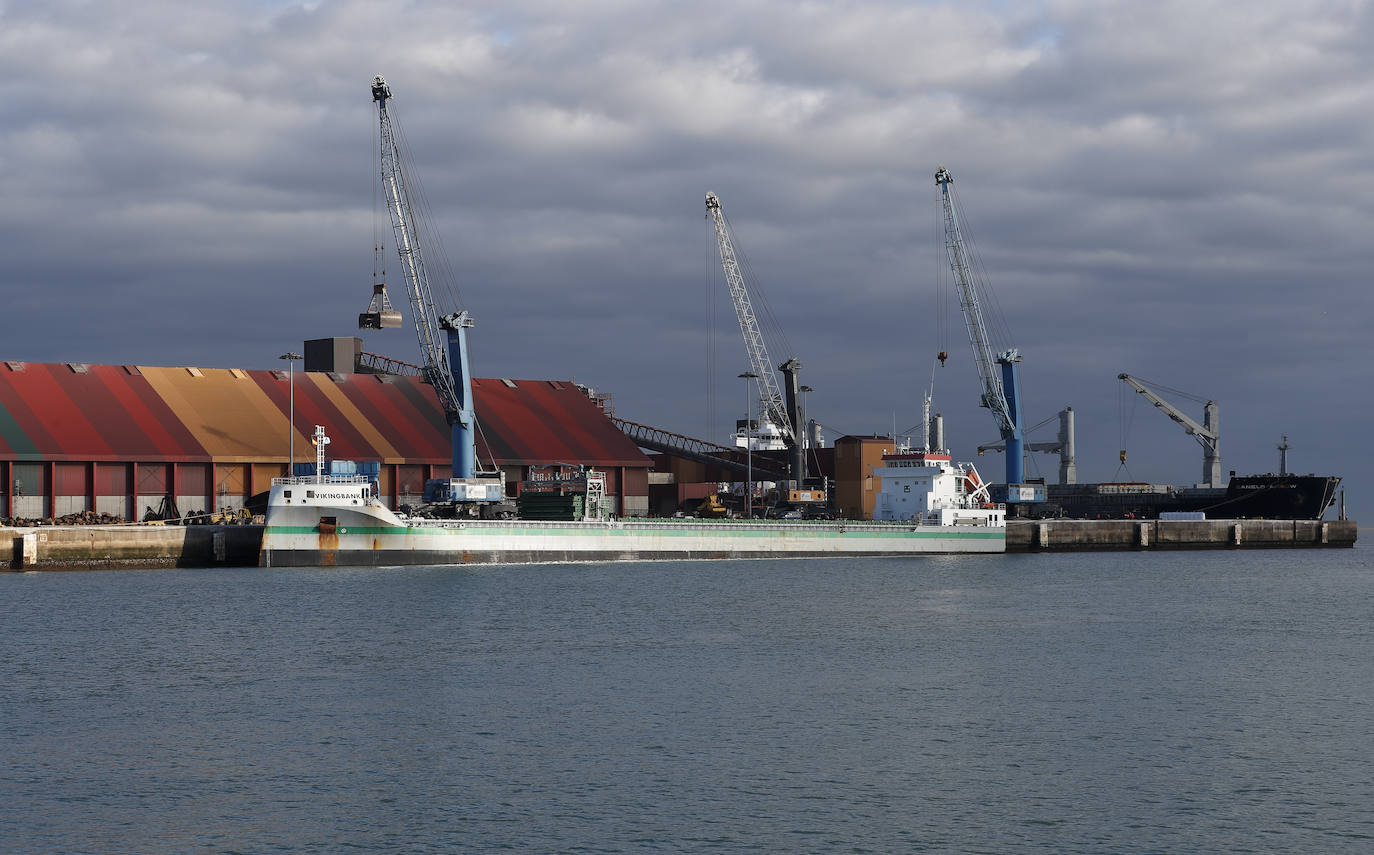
<point x="56" y="411"/>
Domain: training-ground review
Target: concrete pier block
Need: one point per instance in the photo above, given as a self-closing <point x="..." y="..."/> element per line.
<point x="1079" y="535"/>
<point x="26" y="550"/>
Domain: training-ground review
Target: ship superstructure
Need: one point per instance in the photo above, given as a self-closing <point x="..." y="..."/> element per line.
<point x="930" y="488"/>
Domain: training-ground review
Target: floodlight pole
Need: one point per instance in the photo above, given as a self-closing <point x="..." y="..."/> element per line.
<point x="748" y="448"/>
<point x="291" y="357"/>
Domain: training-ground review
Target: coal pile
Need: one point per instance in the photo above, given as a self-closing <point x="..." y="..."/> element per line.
<point x="81" y="518"/>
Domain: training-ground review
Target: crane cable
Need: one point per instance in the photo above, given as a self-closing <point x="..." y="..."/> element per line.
<point x="378" y="256"/>
<point x="1125" y="419"/>
<point x="1172" y="391"/>
<point x="942" y="286"/>
<point x="490" y="455"/>
<point x="774" y="340"/>
<point x="768" y="323"/>
<point x="993" y="315"/>
<point x="710" y="321"/>
<point x="434" y="253"/>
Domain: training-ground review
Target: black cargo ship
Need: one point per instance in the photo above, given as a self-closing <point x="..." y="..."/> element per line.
<point x="1269" y="496"/>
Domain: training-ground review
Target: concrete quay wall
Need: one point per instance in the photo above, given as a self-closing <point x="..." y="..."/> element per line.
<point x="1090" y="535"/>
<point x="140" y="546"/>
<point x="86" y="547"/>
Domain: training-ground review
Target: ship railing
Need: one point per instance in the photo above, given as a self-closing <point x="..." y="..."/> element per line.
<point x="681" y="523"/>
<point x="350" y="478"/>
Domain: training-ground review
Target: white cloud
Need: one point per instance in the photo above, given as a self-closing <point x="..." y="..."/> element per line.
<point x="1165" y="183"/>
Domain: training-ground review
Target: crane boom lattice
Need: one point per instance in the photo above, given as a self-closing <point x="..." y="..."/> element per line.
<point x="997" y="371"/>
<point x="770" y="393"/>
<point x="994" y="397"/>
<point x="443" y="337"/>
<point x="428" y="323"/>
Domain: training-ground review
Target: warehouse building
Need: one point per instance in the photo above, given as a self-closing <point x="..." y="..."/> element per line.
<point x="856" y="487"/>
<point x="122" y="439"/>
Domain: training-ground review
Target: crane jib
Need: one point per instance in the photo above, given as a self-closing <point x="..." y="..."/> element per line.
<point x="997" y="371"/>
<point x="761" y="364"/>
<point x="442" y="340"/>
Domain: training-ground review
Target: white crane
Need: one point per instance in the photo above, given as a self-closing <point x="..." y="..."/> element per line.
<point x="774" y="408"/>
<point x="1208" y="434"/>
<point x="769" y="392"/>
<point x="443" y="338"/>
<point x="1001" y="384"/>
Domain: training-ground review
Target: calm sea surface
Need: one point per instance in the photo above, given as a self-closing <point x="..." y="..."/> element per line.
<point x="1185" y="702"/>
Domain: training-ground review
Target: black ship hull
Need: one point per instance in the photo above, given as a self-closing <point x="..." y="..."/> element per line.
<point x="1285" y="497"/>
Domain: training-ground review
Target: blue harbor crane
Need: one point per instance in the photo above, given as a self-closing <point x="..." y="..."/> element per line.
<point x="998" y="370"/>
<point x="443" y="337"/>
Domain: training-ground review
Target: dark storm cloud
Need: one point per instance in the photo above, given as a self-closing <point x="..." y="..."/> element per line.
<point x="1177" y="190"/>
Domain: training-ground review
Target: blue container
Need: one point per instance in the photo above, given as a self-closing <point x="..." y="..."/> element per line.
<point x="301" y="470"/>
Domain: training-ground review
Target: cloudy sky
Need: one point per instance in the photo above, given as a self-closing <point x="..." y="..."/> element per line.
<point x="1183" y="191"/>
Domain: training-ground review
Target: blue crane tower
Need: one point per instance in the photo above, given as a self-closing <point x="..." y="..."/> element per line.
<point x="443" y="337"/>
<point x="999" y="372"/>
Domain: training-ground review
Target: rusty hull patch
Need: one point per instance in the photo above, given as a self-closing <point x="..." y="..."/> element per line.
<point x="329" y="541"/>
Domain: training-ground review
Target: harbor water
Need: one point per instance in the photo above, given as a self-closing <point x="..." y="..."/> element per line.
<point x="1113" y="702"/>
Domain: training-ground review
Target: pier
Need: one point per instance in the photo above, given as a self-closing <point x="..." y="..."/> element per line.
<point x="92" y="547"/>
<point x="1060" y="535"/>
<point x="118" y="547"/>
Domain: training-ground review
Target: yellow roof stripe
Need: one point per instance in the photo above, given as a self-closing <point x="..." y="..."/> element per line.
<point x="231" y="417"/>
<point x="355" y="417"/>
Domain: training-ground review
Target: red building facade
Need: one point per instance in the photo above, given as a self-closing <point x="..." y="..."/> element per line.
<point x="119" y="439"/>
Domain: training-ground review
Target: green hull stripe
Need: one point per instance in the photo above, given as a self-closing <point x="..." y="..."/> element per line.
<point x="864" y="534"/>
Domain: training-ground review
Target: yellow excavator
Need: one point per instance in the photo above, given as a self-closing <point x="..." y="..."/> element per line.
<point x="711" y="507"/>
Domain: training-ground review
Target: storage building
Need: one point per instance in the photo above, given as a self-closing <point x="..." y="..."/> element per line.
<point x="856" y="487"/>
<point x="118" y="439"/>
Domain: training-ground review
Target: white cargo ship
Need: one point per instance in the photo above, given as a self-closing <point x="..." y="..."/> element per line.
<point x="337" y="520"/>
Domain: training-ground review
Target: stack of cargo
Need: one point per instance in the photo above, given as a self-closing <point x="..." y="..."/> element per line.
<point x="550" y="506"/>
<point x="371" y="468"/>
